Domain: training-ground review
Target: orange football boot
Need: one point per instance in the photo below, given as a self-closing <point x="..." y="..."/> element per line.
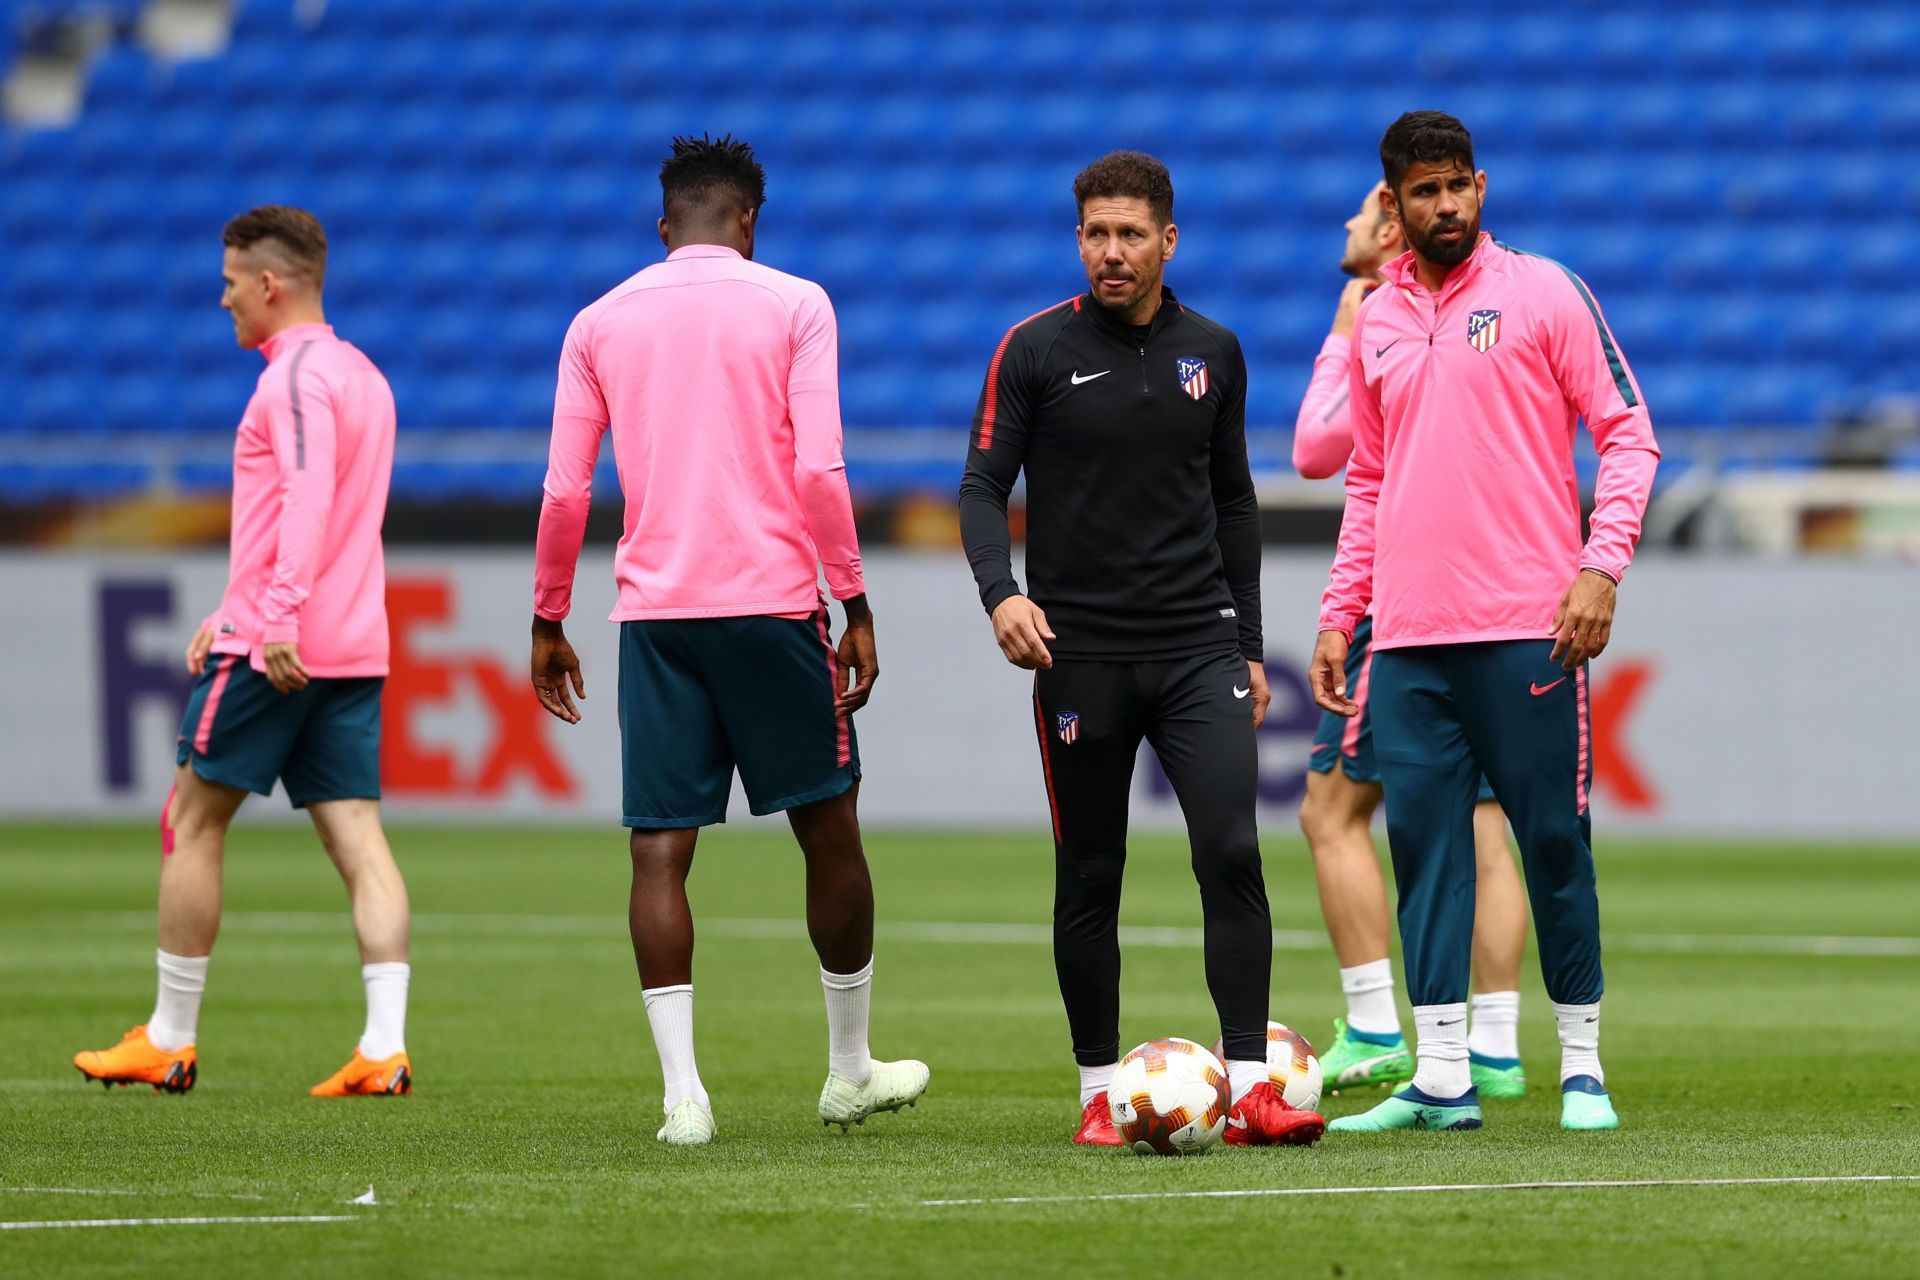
<point x="135" y="1060"/>
<point x="362" y="1077"/>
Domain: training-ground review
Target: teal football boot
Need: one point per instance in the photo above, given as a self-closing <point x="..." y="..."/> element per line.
<point x="1358" y="1059"/>
<point x="1584" y="1104"/>
<point x="1412" y="1109"/>
<point x="1497" y="1077"/>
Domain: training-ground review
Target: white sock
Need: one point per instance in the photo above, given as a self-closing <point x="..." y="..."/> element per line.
<point x="176" y="1009"/>
<point x="1495" y="1029"/>
<point x="1370" y="1006"/>
<point x="1579" y="1041"/>
<point x="1440" y="1057"/>
<point x="1094" y="1081"/>
<point x="670" y="1014"/>
<point x="386" y="1032"/>
<point x="1242" y="1076"/>
<point x="848" y="998"/>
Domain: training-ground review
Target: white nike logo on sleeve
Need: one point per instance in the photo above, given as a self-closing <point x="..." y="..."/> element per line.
<point x="1077" y="379"/>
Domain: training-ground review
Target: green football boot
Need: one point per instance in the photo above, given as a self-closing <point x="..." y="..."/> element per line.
<point x="1497" y="1077"/>
<point x="1584" y="1104"/>
<point x="1412" y="1109"/>
<point x="1357" y="1059"/>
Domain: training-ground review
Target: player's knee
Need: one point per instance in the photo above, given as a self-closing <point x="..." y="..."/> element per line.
<point x="1229" y="859"/>
<point x="1333" y="809"/>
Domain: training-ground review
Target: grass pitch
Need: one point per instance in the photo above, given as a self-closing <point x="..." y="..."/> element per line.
<point x="1763" y="1020"/>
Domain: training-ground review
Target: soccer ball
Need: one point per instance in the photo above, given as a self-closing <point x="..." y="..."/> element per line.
<point x="1169" y="1098"/>
<point x="1291" y="1065"/>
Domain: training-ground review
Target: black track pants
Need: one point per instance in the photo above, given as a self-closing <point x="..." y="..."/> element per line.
<point x="1196" y="713"/>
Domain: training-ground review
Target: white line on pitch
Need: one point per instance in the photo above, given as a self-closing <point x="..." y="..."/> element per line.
<point x="100" y="1191"/>
<point x="173" y="1222"/>
<point x="981" y="933"/>
<point x="1258" y="1192"/>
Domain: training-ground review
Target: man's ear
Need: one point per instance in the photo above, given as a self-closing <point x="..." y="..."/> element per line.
<point x="663" y="230"/>
<point x="1173" y="239"/>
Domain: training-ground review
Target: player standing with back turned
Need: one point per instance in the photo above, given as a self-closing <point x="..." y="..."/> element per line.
<point x="719" y="380"/>
<point x="1471" y="367"/>
<point x="1128" y="413"/>
<point x="288" y="671"/>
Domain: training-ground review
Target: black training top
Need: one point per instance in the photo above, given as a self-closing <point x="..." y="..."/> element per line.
<point x="1143" y="534"/>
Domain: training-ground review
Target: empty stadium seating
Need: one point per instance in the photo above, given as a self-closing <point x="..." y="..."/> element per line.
<point x="1736" y="183"/>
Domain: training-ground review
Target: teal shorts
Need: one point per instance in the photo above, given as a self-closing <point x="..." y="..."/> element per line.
<point x="702" y="697"/>
<point x="1349" y="742"/>
<point x="322" y="742"/>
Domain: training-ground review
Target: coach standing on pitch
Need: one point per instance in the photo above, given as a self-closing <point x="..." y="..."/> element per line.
<point x="1127" y="412"/>
<point x="1470" y="368"/>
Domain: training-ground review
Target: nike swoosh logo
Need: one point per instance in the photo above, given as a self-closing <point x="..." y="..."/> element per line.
<point x="1238" y="692"/>
<point x="1077" y="379"/>
<point x="1456" y="1022"/>
<point x="1593" y="1019"/>
<point x="1235" y="1122"/>
<point x="1390" y="346"/>
<point x="1537" y="689"/>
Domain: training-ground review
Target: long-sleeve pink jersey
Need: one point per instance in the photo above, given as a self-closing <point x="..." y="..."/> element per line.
<point x="1463" y="514"/>
<point x="719" y="378"/>
<point x="311" y="466"/>
<point x="1323" y="429"/>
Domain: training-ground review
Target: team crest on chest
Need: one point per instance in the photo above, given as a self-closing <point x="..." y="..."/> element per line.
<point x="1483" y="329"/>
<point x="1193" y="376"/>
<point x="1067" y="725"/>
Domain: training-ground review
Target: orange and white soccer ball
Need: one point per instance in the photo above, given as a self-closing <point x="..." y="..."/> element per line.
<point x="1169" y="1098"/>
<point x="1291" y="1065"/>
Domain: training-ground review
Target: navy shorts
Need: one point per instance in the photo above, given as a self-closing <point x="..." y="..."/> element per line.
<point x="322" y="742"/>
<point x="1350" y="741"/>
<point x="702" y="697"/>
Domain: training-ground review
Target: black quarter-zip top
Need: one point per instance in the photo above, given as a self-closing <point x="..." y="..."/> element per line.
<point x="1143" y="532"/>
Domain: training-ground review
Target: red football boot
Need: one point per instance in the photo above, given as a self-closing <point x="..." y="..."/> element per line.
<point x="1096" y="1124"/>
<point x="1262" y="1118"/>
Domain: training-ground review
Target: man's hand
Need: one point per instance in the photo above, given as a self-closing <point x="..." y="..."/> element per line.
<point x="1350" y="299"/>
<point x="1327" y="677"/>
<point x="1584" y="621"/>
<point x="198" y="649"/>
<point x="285" y="671"/>
<point x="554" y="665"/>
<point x="1022" y="630"/>
<point x="1258" y="691"/>
<point x="857" y="657"/>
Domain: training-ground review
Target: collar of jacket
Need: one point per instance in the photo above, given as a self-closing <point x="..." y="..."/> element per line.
<point x="1401" y="273"/>
<point x="1105" y="319"/>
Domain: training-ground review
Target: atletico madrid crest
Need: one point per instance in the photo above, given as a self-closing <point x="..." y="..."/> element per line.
<point x="1483" y="329"/>
<point x="1193" y="376"/>
<point x="1068" y="725"/>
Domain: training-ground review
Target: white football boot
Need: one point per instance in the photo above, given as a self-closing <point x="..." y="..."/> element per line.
<point x="688" y="1125"/>
<point x="891" y="1086"/>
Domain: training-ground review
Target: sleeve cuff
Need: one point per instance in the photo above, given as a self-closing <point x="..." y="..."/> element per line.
<point x="1615" y="572"/>
<point x="999" y="595"/>
<point x="280" y="633"/>
<point x="1343" y="626"/>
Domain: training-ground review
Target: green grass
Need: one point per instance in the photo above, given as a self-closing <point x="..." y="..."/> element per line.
<point x="528" y="1146"/>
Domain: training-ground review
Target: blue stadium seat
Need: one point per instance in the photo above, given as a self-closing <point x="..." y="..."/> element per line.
<point x="1737" y="184"/>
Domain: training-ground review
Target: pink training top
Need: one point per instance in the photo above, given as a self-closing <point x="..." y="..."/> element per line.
<point x="720" y="380"/>
<point x="1463" y="515"/>
<point x="310" y="472"/>
<point x="1323" y="430"/>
